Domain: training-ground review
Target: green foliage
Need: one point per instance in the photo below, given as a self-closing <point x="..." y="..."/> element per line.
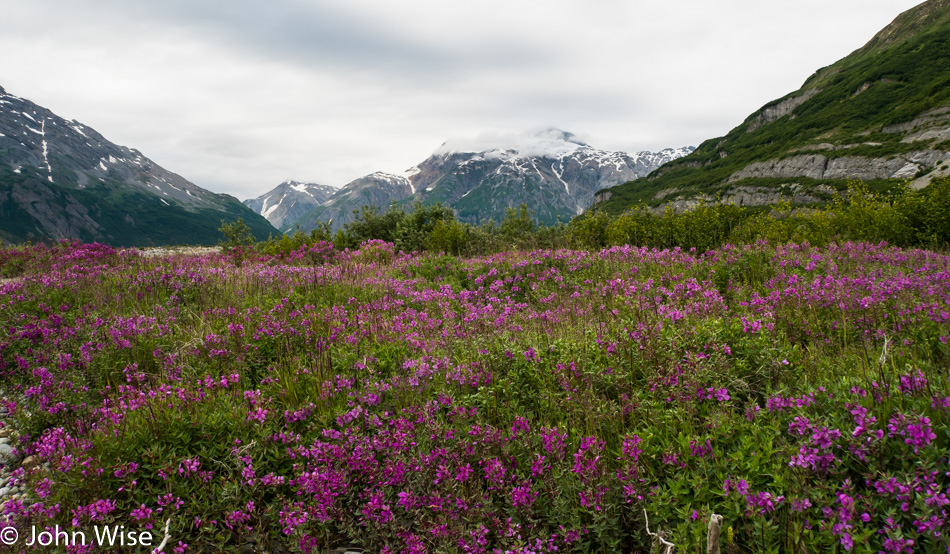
<point x="872" y="212"/>
<point x="518" y="223"/>
<point x="287" y="243"/>
<point x="450" y="236"/>
<point x="370" y="224"/>
<point x="870" y="217"/>
<point x="414" y="232"/>
<point x="591" y="229"/>
<point x="409" y="231"/>
<point x="897" y="215"/>
<point x="435" y="228"/>
<point x="236" y="234"/>
<point x="783" y="224"/>
<point x="927" y="213"/>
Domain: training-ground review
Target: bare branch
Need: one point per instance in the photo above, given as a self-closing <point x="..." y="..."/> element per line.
<point x="164" y="540"/>
<point x="666" y="547"/>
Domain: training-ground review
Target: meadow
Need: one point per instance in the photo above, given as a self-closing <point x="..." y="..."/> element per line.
<point x="542" y="400"/>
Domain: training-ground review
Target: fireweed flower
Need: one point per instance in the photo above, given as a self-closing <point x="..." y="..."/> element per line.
<point x="587" y="457"/>
<point x="631" y="449"/>
<point x="913" y="383"/>
<point x="553" y="441"/>
<point x="863" y="422"/>
<point x="347" y="440"/>
<point x="142" y="514"/>
<point x="701" y="450"/>
<point x="376" y="510"/>
<point x="916" y="430"/>
<point x="463" y="473"/>
<point x="538" y="467"/>
<point x="520" y="425"/>
<point x="523" y="496"/>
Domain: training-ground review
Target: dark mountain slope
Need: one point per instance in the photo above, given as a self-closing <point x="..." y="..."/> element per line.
<point x="60" y="179"/>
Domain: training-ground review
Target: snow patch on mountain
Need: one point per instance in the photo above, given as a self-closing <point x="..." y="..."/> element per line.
<point x="299" y="187"/>
<point x="409" y="174"/>
<point x="289" y="200"/>
<point x="396" y="180"/>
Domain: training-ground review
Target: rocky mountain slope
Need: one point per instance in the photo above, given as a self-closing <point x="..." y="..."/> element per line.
<point x="881" y="115"/>
<point x="553" y="172"/>
<point x="377" y="189"/>
<point x="60" y="179"/>
<point x="289" y="200"/>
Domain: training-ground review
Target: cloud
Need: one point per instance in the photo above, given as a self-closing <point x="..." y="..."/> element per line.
<point x="313" y="35"/>
<point x="540" y="142"/>
<point x="238" y="95"/>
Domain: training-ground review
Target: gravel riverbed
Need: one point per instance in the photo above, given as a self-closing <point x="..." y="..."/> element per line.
<point x="10" y="487"/>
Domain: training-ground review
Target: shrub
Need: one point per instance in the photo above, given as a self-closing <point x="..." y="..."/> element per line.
<point x="236" y="234"/>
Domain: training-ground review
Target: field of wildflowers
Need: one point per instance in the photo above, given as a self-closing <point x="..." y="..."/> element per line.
<point x="534" y="401"/>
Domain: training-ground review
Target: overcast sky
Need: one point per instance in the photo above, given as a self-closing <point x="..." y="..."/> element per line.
<point x="238" y="95"/>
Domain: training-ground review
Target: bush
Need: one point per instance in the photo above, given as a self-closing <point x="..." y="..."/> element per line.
<point x="449" y="236"/>
<point x="866" y="216"/>
<point x="518" y="225"/>
<point x="928" y="213"/>
<point x="590" y="230"/>
<point x="414" y="231"/>
<point x="236" y="234"/>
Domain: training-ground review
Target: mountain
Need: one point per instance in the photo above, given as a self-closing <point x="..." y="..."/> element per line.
<point x="60" y="179"/>
<point x="289" y="200"/>
<point x="553" y="172"/>
<point x="378" y="189"/>
<point x="881" y="115"/>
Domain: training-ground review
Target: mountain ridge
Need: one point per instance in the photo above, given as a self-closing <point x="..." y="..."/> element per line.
<point x="880" y="114"/>
<point x="551" y="171"/>
<point x="289" y="200"/>
<point x="61" y="179"/>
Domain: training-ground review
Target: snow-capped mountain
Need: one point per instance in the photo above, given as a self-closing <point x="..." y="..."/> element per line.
<point x="61" y="179"/>
<point x="377" y="189"/>
<point x="553" y="172"/>
<point x="289" y="200"/>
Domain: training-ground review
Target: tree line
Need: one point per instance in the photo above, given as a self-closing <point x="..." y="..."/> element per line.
<point x="901" y="216"/>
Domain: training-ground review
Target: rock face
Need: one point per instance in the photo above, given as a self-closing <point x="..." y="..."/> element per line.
<point x="929" y="120"/>
<point x="813" y="167"/>
<point x="61" y="180"/>
<point x="552" y="172"/>
<point x="777" y="111"/>
<point x="847" y="167"/>
<point x="11" y="488"/>
<point x="289" y="200"/>
<point x="747" y="196"/>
